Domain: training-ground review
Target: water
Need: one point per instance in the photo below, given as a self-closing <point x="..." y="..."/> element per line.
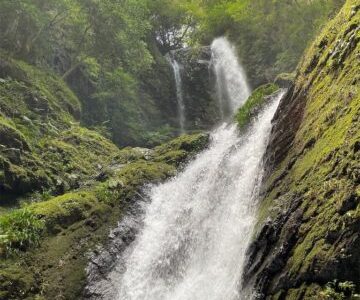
<point x="197" y="226"/>
<point x="232" y="88"/>
<point x="179" y="94"/>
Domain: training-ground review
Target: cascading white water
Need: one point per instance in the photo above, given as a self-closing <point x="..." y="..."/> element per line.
<point x="232" y="88"/>
<point x="197" y="226"/>
<point x="179" y="94"/>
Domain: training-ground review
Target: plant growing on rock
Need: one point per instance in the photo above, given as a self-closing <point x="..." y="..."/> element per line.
<point x="339" y="290"/>
<point x="254" y="104"/>
<point x="19" y="230"/>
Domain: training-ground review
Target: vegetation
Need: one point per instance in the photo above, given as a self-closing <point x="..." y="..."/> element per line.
<point x="18" y="231"/>
<point x="44" y="246"/>
<point x="273" y="34"/>
<point x="254" y="104"/>
<point x="95" y="47"/>
<point x="34" y="104"/>
<point x="339" y="291"/>
<point x="80" y="183"/>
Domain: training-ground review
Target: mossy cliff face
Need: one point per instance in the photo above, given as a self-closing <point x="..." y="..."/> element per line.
<point x="52" y="265"/>
<point x="63" y="187"/>
<point x="42" y="146"/>
<point x="309" y="217"/>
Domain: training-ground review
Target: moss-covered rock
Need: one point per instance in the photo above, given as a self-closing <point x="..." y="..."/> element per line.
<point x="178" y="150"/>
<point x="15" y="282"/>
<point x="255" y="102"/>
<point x="42" y="147"/>
<point x="285" y="80"/>
<point x="11" y="138"/>
<point x="308" y="231"/>
<point x="78" y="221"/>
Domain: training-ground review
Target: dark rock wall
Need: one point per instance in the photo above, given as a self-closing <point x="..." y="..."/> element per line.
<point x="198" y="82"/>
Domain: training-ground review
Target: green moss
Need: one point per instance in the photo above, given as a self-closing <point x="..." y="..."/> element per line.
<point x="174" y="151"/>
<point x="254" y="103"/>
<point x="35" y="106"/>
<point x="66" y="209"/>
<point x="321" y="167"/>
<point x="15" y="282"/>
<point x="285" y="78"/>
<point x="77" y="154"/>
<point x="129" y="154"/>
<point x="10" y="137"/>
<point x="174" y="157"/>
<point x="52" y="88"/>
<point x="37" y="101"/>
<point x="139" y="173"/>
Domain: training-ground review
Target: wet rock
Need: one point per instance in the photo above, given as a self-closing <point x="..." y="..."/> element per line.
<point x="285" y="125"/>
<point x="285" y="80"/>
<point x="307" y="244"/>
<point x="107" y="261"/>
<point x="269" y="251"/>
<point x="201" y="107"/>
<point x="349" y="203"/>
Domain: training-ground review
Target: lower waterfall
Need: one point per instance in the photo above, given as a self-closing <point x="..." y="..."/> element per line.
<point x="198" y="225"/>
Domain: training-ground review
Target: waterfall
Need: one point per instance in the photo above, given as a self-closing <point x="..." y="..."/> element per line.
<point x="197" y="226"/>
<point x="179" y="94"/>
<point x="232" y="88"/>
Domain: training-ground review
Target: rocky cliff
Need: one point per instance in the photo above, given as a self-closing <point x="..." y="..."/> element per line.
<point x="198" y="80"/>
<point x="307" y="242"/>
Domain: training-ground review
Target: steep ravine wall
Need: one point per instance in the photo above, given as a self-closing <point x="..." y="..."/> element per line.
<point x="309" y="217"/>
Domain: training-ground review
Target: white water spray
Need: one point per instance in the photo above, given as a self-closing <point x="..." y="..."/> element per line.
<point x="198" y="225"/>
<point x="179" y="94"/>
<point x="232" y="88"/>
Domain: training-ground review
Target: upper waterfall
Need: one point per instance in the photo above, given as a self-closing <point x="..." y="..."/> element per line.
<point x="232" y="88"/>
<point x="179" y="93"/>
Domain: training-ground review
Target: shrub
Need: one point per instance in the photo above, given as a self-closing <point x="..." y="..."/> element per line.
<point x="19" y="230"/>
<point x="339" y="291"/>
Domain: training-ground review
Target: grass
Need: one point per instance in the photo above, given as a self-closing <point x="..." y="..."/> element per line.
<point x="19" y="230"/>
